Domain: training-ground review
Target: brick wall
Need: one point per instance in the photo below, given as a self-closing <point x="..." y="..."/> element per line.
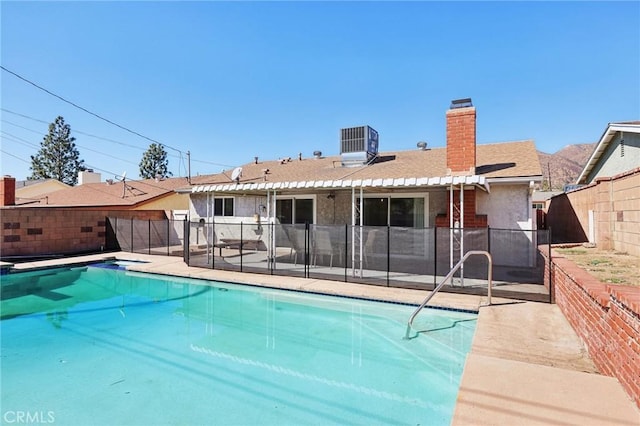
<point x="461" y="140"/>
<point x="45" y="231"/>
<point x="471" y="219"/>
<point x="7" y="191"/>
<point x="606" y="317"/>
<point x="615" y="202"/>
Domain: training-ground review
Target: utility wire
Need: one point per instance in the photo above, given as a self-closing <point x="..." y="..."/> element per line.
<point x="25" y="142"/>
<point x="86" y="110"/>
<point x="14" y="156"/>
<point x="101" y="138"/>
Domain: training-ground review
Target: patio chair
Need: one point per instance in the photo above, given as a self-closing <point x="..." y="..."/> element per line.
<point x="322" y="246"/>
<point x="369" y="245"/>
<point x="296" y="238"/>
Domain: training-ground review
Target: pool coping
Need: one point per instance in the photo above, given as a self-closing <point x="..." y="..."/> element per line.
<point x="526" y="363"/>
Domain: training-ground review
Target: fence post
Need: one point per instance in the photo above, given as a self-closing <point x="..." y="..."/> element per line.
<point x="241" y="242"/>
<point x="552" y="296"/>
<point x="272" y="245"/>
<point x="168" y="237"/>
<point x="388" y="252"/>
<point x="149" y="236"/>
<point x="185" y="241"/>
<point x="435" y="255"/>
<point x="346" y="249"/>
<point x="131" y="235"/>
<point x="307" y="244"/>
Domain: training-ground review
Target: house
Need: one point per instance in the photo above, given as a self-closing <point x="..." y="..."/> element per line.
<point x="403" y="188"/>
<point x="617" y="151"/>
<point x="540" y="199"/>
<point x="92" y="193"/>
<point x="603" y="208"/>
<point x="32" y="191"/>
<point x="465" y="185"/>
<point x="75" y="219"/>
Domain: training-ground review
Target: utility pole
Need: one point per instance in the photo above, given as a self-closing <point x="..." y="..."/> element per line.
<point x="189" y="167"/>
<point x="549" y="173"/>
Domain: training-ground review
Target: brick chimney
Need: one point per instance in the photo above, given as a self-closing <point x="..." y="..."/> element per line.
<point x="8" y="191"/>
<point x="461" y="137"/>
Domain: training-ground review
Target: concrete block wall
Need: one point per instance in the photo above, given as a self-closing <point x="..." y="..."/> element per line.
<point x="44" y="231"/>
<point x="615" y="202"/>
<point x="606" y="318"/>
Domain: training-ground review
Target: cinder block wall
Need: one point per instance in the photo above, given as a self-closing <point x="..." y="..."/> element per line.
<point x="44" y="231"/>
<point x="606" y="317"/>
<point x="616" y="205"/>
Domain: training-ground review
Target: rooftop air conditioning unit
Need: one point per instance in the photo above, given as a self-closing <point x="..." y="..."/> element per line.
<point x="358" y="145"/>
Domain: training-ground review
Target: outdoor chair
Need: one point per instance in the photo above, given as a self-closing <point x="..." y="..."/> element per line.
<point x="322" y="246"/>
<point x="296" y="238"/>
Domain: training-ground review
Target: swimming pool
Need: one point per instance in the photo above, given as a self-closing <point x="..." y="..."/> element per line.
<point x="94" y="345"/>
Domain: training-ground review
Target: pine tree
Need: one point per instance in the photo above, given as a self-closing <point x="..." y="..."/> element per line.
<point x="154" y="163"/>
<point x="58" y="157"/>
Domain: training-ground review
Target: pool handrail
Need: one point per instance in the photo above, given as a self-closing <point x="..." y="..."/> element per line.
<point x="447" y="278"/>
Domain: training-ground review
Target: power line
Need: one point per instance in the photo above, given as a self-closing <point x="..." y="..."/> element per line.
<point x="14" y="138"/>
<point x="25" y="142"/>
<point x="14" y="156"/>
<point x="101" y="138"/>
<point x="86" y="110"/>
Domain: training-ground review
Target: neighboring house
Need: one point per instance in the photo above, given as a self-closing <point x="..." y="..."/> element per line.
<point x="409" y="189"/>
<point x="33" y="191"/>
<point x="617" y="151"/>
<point x="540" y="199"/>
<point x="604" y="209"/>
<point x="76" y="219"/>
<point x="92" y="194"/>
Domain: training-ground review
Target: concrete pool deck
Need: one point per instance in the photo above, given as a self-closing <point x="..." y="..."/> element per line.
<point x="526" y="366"/>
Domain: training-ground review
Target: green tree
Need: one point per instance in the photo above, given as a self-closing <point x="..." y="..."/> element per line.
<point x="154" y="162"/>
<point x="58" y="157"/>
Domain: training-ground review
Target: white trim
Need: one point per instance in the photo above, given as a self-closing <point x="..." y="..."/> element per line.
<point x="606" y="138"/>
<point x="295" y="197"/>
<point x="423" y="195"/>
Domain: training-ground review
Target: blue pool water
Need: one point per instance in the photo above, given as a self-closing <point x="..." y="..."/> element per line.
<point x="102" y="346"/>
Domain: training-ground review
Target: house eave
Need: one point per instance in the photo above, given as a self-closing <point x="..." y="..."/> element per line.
<point x="606" y="138"/>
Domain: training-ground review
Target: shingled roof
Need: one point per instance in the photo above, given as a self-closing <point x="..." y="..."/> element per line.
<point x="128" y="194"/>
<point x="494" y="161"/>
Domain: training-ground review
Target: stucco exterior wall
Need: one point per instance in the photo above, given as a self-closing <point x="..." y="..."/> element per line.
<point x="171" y="202"/>
<point x="506" y="206"/>
<point x="618" y="158"/>
<point x="37" y="190"/>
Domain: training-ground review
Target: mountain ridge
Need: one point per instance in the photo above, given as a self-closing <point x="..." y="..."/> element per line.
<point x="564" y="166"/>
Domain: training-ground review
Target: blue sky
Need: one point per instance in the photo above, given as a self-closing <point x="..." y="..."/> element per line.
<point x="228" y="81"/>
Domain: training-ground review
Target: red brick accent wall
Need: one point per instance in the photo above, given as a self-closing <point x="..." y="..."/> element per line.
<point x="7" y="191"/>
<point x="471" y="219"/>
<point x="606" y="317"/>
<point x="461" y="140"/>
<point x="45" y="231"/>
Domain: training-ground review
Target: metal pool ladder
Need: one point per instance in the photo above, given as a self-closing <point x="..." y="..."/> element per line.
<point x="447" y="278"/>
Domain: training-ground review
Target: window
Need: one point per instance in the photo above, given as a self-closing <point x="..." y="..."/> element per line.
<point x="223" y="207"/>
<point x="294" y="210"/>
<point x="539" y="206"/>
<point x="383" y="211"/>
